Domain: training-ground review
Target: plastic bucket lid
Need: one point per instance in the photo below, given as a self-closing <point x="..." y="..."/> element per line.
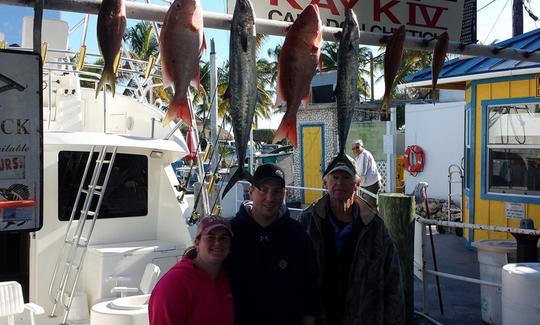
<point x="496" y="246"/>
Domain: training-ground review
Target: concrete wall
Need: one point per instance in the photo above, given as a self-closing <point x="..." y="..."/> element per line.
<point x="439" y="130"/>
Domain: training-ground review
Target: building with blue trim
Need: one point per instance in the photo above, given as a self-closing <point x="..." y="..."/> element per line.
<point x="502" y="135"/>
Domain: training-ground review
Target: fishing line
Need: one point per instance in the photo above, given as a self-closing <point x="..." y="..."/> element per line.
<point x="496" y="20"/>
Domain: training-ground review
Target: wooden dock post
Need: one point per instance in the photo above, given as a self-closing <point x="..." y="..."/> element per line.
<point x="398" y="212"/>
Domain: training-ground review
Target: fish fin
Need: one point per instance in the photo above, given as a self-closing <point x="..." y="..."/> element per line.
<point x="384" y="109"/>
<point x="287" y="129"/>
<point x="240" y="174"/>
<point x="194" y="26"/>
<point x="107" y="77"/>
<point x="244" y="42"/>
<point x="203" y="45"/>
<point x="280" y="98"/>
<point x="178" y="108"/>
<point x="167" y="77"/>
<point x="196" y="81"/>
<point x="305" y="100"/>
<point x="227" y="94"/>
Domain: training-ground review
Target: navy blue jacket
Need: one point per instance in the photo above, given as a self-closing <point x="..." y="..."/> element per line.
<point x="273" y="271"/>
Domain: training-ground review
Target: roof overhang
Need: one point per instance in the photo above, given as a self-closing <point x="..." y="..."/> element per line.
<point x="459" y="82"/>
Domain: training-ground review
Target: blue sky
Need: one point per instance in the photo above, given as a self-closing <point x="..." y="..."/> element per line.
<point x="494" y="23"/>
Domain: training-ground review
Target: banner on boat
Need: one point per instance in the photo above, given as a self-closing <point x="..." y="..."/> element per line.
<point x="21" y="146"/>
<point x="424" y="19"/>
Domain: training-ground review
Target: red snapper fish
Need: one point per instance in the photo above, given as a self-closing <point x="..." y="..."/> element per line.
<point x="437" y="62"/>
<point x="392" y="61"/>
<point x="111" y="24"/>
<point x="181" y="44"/>
<point x="298" y="61"/>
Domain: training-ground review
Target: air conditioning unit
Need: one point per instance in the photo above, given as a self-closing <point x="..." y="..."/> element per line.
<point x="322" y="87"/>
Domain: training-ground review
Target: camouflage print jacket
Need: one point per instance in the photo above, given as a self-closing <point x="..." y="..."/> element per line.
<point x="375" y="291"/>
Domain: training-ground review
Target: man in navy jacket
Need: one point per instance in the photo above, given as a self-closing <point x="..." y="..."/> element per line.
<point x="272" y="265"/>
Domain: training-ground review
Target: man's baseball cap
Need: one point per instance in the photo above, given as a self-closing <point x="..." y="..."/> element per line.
<point x="341" y="162"/>
<point x="210" y="223"/>
<point x="267" y="172"/>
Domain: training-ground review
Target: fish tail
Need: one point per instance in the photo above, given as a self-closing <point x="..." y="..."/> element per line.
<point x="178" y="108"/>
<point x="385" y="107"/>
<point x="287" y="129"/>
<point x="241" y="173"/>
<point x="107" y="77"/>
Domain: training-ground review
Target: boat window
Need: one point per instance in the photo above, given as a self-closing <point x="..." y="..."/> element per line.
<point x="126" y="194"/>
<point x="513" y="139"/>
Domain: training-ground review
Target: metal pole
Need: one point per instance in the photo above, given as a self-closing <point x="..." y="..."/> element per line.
<point x="517" y="17"/>
<point x="85" y="29"/>
<point x="371" y="77"/>
<point x="251" y="149"/>
<point x="104" y="108"/>
<point x="214" y="131"/>
<point x="214" y="20"/>
<point x="38" y="19"/>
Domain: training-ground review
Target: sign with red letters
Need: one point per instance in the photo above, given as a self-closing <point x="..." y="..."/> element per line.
<point x="422" y="18"/>
<point x="21" y="144"/>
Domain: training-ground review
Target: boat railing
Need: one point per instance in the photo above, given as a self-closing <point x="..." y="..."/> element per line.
<point x="63" y="62"/>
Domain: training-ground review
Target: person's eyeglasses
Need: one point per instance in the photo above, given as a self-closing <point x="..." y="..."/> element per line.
<point x="355" y="148"/>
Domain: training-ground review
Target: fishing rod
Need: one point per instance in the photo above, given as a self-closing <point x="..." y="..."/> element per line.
<point x="194" y="214"/>
<point x="213" y="179"/>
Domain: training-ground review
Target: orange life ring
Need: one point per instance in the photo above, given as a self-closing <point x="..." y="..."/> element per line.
<point x="414" y="159"/>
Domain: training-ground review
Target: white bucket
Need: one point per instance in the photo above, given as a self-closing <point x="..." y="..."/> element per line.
<point x="521" y="294"/>
<point x="78" y="312"/>
<point x="492" y="255"/>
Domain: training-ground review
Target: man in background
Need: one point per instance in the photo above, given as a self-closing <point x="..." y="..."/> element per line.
<point x="366" y="166"/>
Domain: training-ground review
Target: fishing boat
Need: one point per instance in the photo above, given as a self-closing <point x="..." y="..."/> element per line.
<point x="141" y="217"/>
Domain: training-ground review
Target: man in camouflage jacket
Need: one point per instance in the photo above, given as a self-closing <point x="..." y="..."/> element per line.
<point x="360" y="276"/>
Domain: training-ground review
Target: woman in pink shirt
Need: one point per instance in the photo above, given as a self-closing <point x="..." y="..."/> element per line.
<point x="196" y="290"/>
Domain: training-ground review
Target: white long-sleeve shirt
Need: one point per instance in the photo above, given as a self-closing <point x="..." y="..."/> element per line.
<point x="367" y="169"/>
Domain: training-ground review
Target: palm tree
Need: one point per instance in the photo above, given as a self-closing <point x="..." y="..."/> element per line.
<point x="143" y="44"/>
<point x="142" y="41"/>
<point x="411" y="62"/>
<point x="266" y="77"/>
<point x="329" y="55"/>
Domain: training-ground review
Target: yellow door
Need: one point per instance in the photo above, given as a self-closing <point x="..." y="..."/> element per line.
<point x="312" y="153"/>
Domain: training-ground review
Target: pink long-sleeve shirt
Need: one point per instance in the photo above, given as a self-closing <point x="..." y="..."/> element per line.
<point x="187" y="295"/>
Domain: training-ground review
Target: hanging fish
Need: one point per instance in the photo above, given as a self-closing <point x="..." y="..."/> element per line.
<point x="181" y="43"/>
<point x="392" y="62"/>
<point x="111" y="24"/>
<point x="242" y="91"/>
<point x="437" y="62"/>
<point x="298" y="60"/>
<point x="347" y="95"/>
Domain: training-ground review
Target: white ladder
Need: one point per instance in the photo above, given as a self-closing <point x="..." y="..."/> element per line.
<point x="455" y="176"/>
<point x="71" y="258"/>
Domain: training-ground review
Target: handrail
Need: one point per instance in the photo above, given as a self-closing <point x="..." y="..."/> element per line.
<point x="478" y="226"/>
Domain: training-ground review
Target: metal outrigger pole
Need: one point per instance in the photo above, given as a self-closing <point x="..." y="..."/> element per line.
<point x="215" y="20"/>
